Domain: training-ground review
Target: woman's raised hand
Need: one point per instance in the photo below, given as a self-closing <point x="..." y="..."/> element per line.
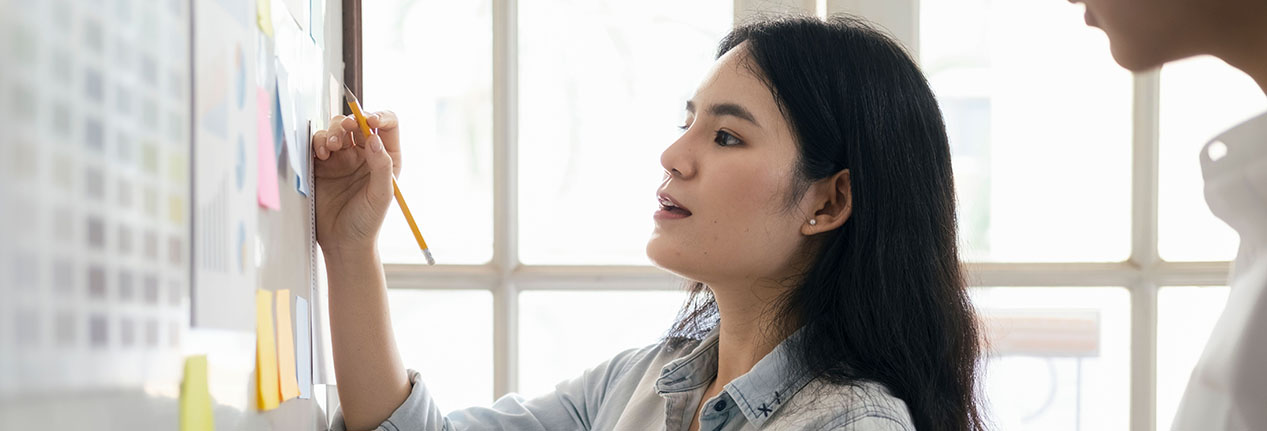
<point x="353" y="176"/>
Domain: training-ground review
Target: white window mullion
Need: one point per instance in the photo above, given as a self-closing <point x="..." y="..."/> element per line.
<point x="1143" y="355"/>
<point x="1060" y="274"/>
<point x="505" y="194"/>
<point x="1144" y="255"/>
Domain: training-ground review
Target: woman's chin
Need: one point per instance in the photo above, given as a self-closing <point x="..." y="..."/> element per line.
<point x="665" y="258"/>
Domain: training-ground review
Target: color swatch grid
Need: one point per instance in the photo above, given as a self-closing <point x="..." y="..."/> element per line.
<point x="94" y="191"/>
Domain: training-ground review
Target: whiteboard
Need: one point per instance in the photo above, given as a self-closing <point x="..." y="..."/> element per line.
<point x="117" y="260"/>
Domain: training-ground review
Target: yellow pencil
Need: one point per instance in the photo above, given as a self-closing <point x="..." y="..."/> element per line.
<point x="355" y="106"/>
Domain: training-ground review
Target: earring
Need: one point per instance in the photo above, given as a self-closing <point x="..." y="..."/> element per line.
<point x="813" y="222"/>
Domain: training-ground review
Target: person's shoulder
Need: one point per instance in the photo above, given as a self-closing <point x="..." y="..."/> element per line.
<point x="854" y="406"/>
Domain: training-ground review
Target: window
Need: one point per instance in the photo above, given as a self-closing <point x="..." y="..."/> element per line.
<point x="609" y="321"/>
<point x="599" y="98"/>
<point x="442" y="93"/>
<point x="1058" y="357"/>
<point x="578" y="98"/>
<point x="1186" y="316"/>
<point x="535" y="127"/>
<point x="1040" y="123"/>
<point x="1056" y="153"/>
<point x="1200" y="98"/>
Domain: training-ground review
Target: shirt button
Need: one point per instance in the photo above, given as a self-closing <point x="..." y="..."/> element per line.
<point x="720" y="405"/>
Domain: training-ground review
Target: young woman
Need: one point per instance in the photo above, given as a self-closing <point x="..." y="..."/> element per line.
<point x="809" y="198"/>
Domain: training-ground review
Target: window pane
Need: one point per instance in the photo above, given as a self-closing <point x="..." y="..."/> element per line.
<point x="1185" y="317"/>
<point x="1200" y="98"/>
<point x="604" y="323"/>
<point x="1039" y="118"/>
<point x="447" y="335"/>
<point x="603" y="85"/>
<point x="430" y="61"/>
<point x="1059" y="357"/>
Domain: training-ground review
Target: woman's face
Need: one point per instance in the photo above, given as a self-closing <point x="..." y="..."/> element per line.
<point x="731" y="173"/>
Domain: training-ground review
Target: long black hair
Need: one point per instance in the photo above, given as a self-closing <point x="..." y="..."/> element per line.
<point x="884" y="298"/>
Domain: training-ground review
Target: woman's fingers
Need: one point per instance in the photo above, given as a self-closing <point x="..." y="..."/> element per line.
<point x="338" y="138"/>
<point x="354" y="128"/>
<point x="319" y="145"/>
<point x="387" y="126"/>
<point x="345" y="132"/>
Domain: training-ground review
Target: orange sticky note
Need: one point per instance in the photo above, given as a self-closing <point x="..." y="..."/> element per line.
<point x="286" y="347"/>
<point x="195" y="399"/>
<point x="265" y="352"/>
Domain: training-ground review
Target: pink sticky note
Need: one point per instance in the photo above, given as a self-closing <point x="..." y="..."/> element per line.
<point x="266" y="185"/>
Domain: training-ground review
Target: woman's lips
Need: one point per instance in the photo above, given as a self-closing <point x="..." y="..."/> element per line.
<point x="671" y="213"/>
<point x="670" y="208"/>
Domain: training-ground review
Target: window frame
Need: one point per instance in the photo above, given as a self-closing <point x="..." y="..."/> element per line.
<point x="1142" y="274"/>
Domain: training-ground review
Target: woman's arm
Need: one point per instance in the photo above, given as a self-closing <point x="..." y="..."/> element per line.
<point x="372" y="380"/>
<point x="353" y="191"/>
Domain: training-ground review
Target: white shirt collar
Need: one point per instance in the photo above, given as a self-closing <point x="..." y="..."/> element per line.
<point x="1234" y="165"/>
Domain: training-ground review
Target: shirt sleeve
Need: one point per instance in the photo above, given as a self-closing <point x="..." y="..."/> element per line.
<point x="572" y="406"/>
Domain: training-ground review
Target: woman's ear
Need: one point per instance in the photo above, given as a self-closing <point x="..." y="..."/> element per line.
<point x="833" y="204"/>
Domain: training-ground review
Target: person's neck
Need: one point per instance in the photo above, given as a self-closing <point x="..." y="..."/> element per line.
<point x="1246" y="48"/>
<point x="748" y="329"/>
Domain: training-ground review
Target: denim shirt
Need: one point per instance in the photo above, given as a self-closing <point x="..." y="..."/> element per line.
<point x="659" y="388"/>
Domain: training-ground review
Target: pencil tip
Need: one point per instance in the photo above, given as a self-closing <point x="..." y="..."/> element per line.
<point x="430" y="260"/>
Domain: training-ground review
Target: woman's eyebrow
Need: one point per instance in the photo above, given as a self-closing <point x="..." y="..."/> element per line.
<point x="724" y="109"/>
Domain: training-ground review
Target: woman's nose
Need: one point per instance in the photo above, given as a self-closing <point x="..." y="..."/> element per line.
<point x="677" y="161"/>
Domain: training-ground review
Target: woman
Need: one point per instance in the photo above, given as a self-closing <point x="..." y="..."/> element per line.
<point x="809" y="198"/>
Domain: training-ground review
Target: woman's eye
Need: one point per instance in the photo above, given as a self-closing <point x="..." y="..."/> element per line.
<point x="726" y="139"/>
<point x="684" y="127"/>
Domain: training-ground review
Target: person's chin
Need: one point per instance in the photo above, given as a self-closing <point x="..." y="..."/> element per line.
<point x="1135" y="60"/>
<point x="664" y="257"/>
<point x="1143" y="53"/>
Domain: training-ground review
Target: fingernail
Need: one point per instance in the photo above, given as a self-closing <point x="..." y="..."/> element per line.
<point x="378" y="143"/>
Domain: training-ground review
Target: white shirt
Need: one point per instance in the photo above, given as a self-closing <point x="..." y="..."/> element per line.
<point x="1228" y="387"/>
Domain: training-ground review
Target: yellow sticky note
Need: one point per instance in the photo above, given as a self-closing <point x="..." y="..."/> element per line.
<point x="286" y="347"/>
<point x="265" y="352"/>
<point x="195" y="399"/>
<point x="264" y="16"/>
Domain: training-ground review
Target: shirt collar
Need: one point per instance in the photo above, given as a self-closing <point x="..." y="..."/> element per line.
<point x="1234" y="166"/>
<point x="759" y="393"/>
<point x="770" y="384"/>
<point x="1244" y="143"/>
<point x="692" y="371"/>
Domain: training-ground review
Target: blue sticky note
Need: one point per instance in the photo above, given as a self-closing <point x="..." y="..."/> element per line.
<point x="279" y="132"/>
<point x="303" y="348"/>
<point x="303" y="147"/>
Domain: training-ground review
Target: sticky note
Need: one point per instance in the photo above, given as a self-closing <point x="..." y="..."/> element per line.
<point x="195" y="399"/>
<point x="286" y="98"/>
<point x="303" y="347"/>
<point x="303" y="148"/>
<point x="266" y="185"/>
<point x="267" y="391"/>
<point x="264" y="16"/>
<point x="279" y="134"/>
<point x="336" y="96"/>
<point x="285" y="347"/>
